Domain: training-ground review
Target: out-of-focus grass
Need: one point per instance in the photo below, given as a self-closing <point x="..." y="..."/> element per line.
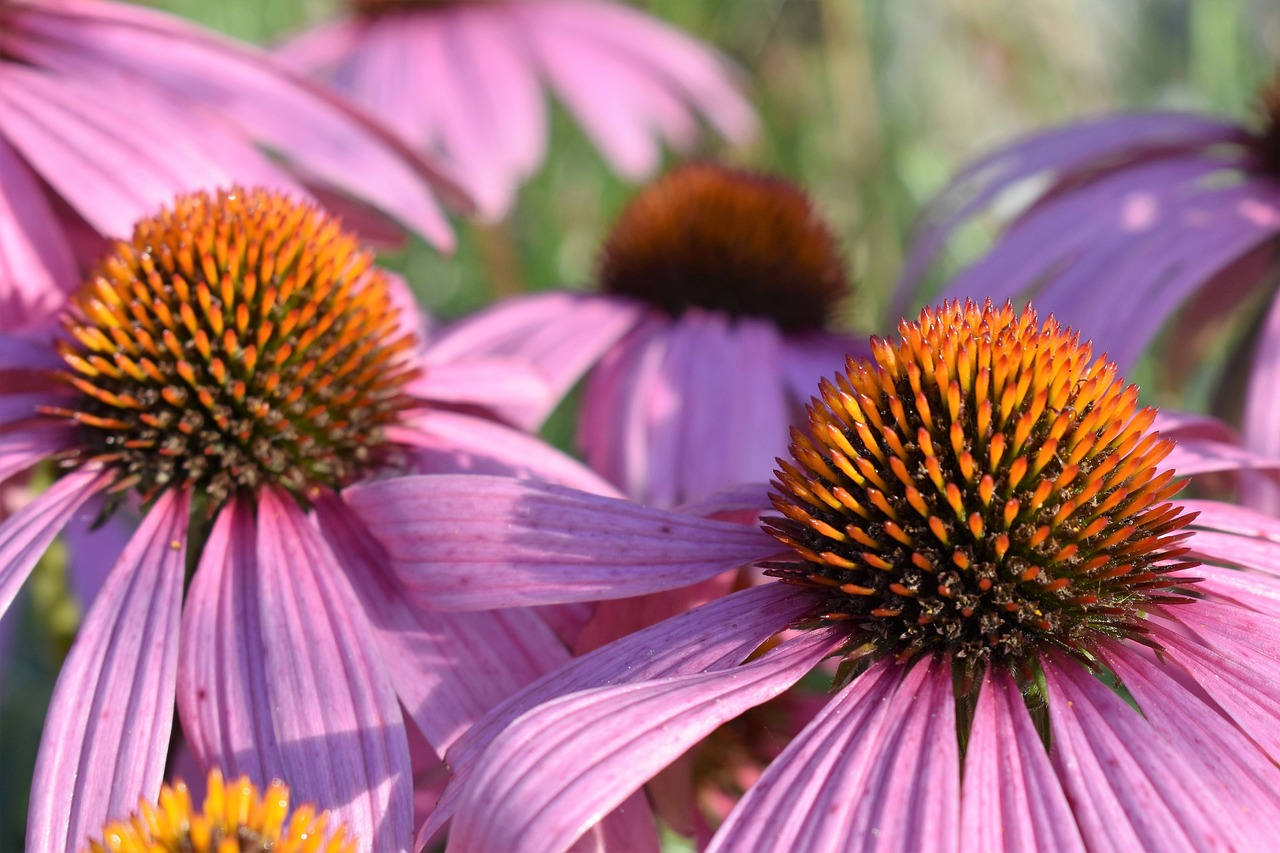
<point x="871" y="104"/>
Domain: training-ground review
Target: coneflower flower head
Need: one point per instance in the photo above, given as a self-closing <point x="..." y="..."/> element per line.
<point x="236" y="818"/>
<point x="237" y="340"/>
<point x="980" y="530"/>
<point x="982" y="488"/>
<point x="726" y="240"/>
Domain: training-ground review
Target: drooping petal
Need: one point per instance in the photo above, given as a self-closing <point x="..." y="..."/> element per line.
<point x="26" y="534"/>
<point x="562" y="335"/>
<point x="716" y="636"/>
<point x="1129" y="787"/>
<point x="879" y="766"/>
<point x="448" y="668"/>
<point x="1058" y="151"/>
<point x="1012" y="799"/>
<point x="565" y="764"/>
<point x="479" y="543"/>
<point x="1242" y="778"/>
<point x="221" y="666"/>
<point x="107" y="734"/>
<point x="36" y="265"/>
<point x="307" y="680"/>
<point x="444" y="442"/>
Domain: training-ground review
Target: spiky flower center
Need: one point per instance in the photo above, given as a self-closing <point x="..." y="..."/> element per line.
<point x="725" y="240"/>
<point x="236" y="340"/>
<point x="236" y="818"/>
<point x="981" y="488"/>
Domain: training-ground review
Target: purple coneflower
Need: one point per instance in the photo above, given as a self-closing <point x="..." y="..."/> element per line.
<point x="235" y="817"/>
<point x="976" y="526"/>
<point x="1134" y="216"/>
<point x="236" y="365"/>
<point x="465" y="78"/>
<point x="715" y="288"/>
<point x="91" y="92"/>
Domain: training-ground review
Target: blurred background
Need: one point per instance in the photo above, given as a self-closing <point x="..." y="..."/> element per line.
<point x="870" y="104"/>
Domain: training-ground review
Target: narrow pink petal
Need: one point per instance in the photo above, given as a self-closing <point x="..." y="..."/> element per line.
<point x="26" y="534"/>
<point x="1192" y="425"/>
<point x="879" y="767"/>
<point x="692" y="68"/>
<point x="564" y="765"/>
<point x="36" y="265"/>
<point x="1246" y="589"/>
<point x="21" y="449"/>
<point x="1262" y="414"/>
<point x="560" y="334"/>
<point x="478" y="543"/>
<point x="321" y="46"/>
<point x="510" y="388"/>
<point x="107" y="734"/>
<point x="1012" y="799"/>
<point x="445" y="442"/>
<point x="1241" y="779"/>
<point x="1193" y="456"/>
<point x="1234" y="550"/>
<point x="448" y="668"/>
<point x="338" y="730"/>
<point x="220" y="670"/>
<point x="717" y="636"/>
<point x="1129" y="787"/>
<point x="1228" y="518"/>
<point x="1241" y="677"/>
<point x="310" y="126"/>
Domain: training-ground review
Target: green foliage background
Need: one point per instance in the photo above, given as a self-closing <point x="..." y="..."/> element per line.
<point x="871" y="104"/>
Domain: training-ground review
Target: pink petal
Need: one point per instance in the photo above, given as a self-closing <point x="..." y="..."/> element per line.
<point x="36" y="265"/>
<point x="447" y="442"/>
<point x="1243" y="780"/>
<point x="220" y="670"/>
<point x="538" y="544"/>
<point x="565" y="764"/>
<point x="306" y="680"/>
<point x="878" y="767"/>
<point x="509" y="388"/>
<point x="1129" y="787"/>
<point x="26" y="534"/>
<point x="1012" y="799"/>
<point x="107" y="734"/>
<point x="562" y="335"/>
<point x="717" y="636"/>
<point x="314" y="129"/>
<point x="1261" y="414"/>
<point x="448" y="668"/>
<point x="21" y="449"/>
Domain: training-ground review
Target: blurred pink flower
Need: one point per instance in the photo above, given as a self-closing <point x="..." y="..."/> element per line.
<point x="977" y="526"/>
<point x="705" y="342"/>
<point x="108" y="111"/>
<point x="465" y="79"/>
<point x="238" y="364"/>
<point x="1132" y="217"/>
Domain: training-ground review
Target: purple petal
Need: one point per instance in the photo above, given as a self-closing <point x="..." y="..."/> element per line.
<point x="107" y="734"/>
<point x="1243" y="780"/>
<point x="562" y="335"/>
<point x="878" y="767"/>
<point x="565" y="764"/>
<point x="1060" y="151"/>
<point x="20" y="353"/>
<point x="1012" y="799"/>
<point x="447" y="442"/>
<point x="480" y="543"/>
<point x="20" y="450"/>
<point x="26" y="534"/>
<point x="1129" y="787"/>
<point x="448" y="668"/>
<point x="717" y="636"/>
<point x="1261" y="413"/>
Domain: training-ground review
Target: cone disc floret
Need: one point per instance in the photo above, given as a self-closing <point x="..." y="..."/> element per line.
<point x="237" y="340"/>
<point x="236" y="818"/>
<point x="706" y="236"/>
<point x="982" y="487"/>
